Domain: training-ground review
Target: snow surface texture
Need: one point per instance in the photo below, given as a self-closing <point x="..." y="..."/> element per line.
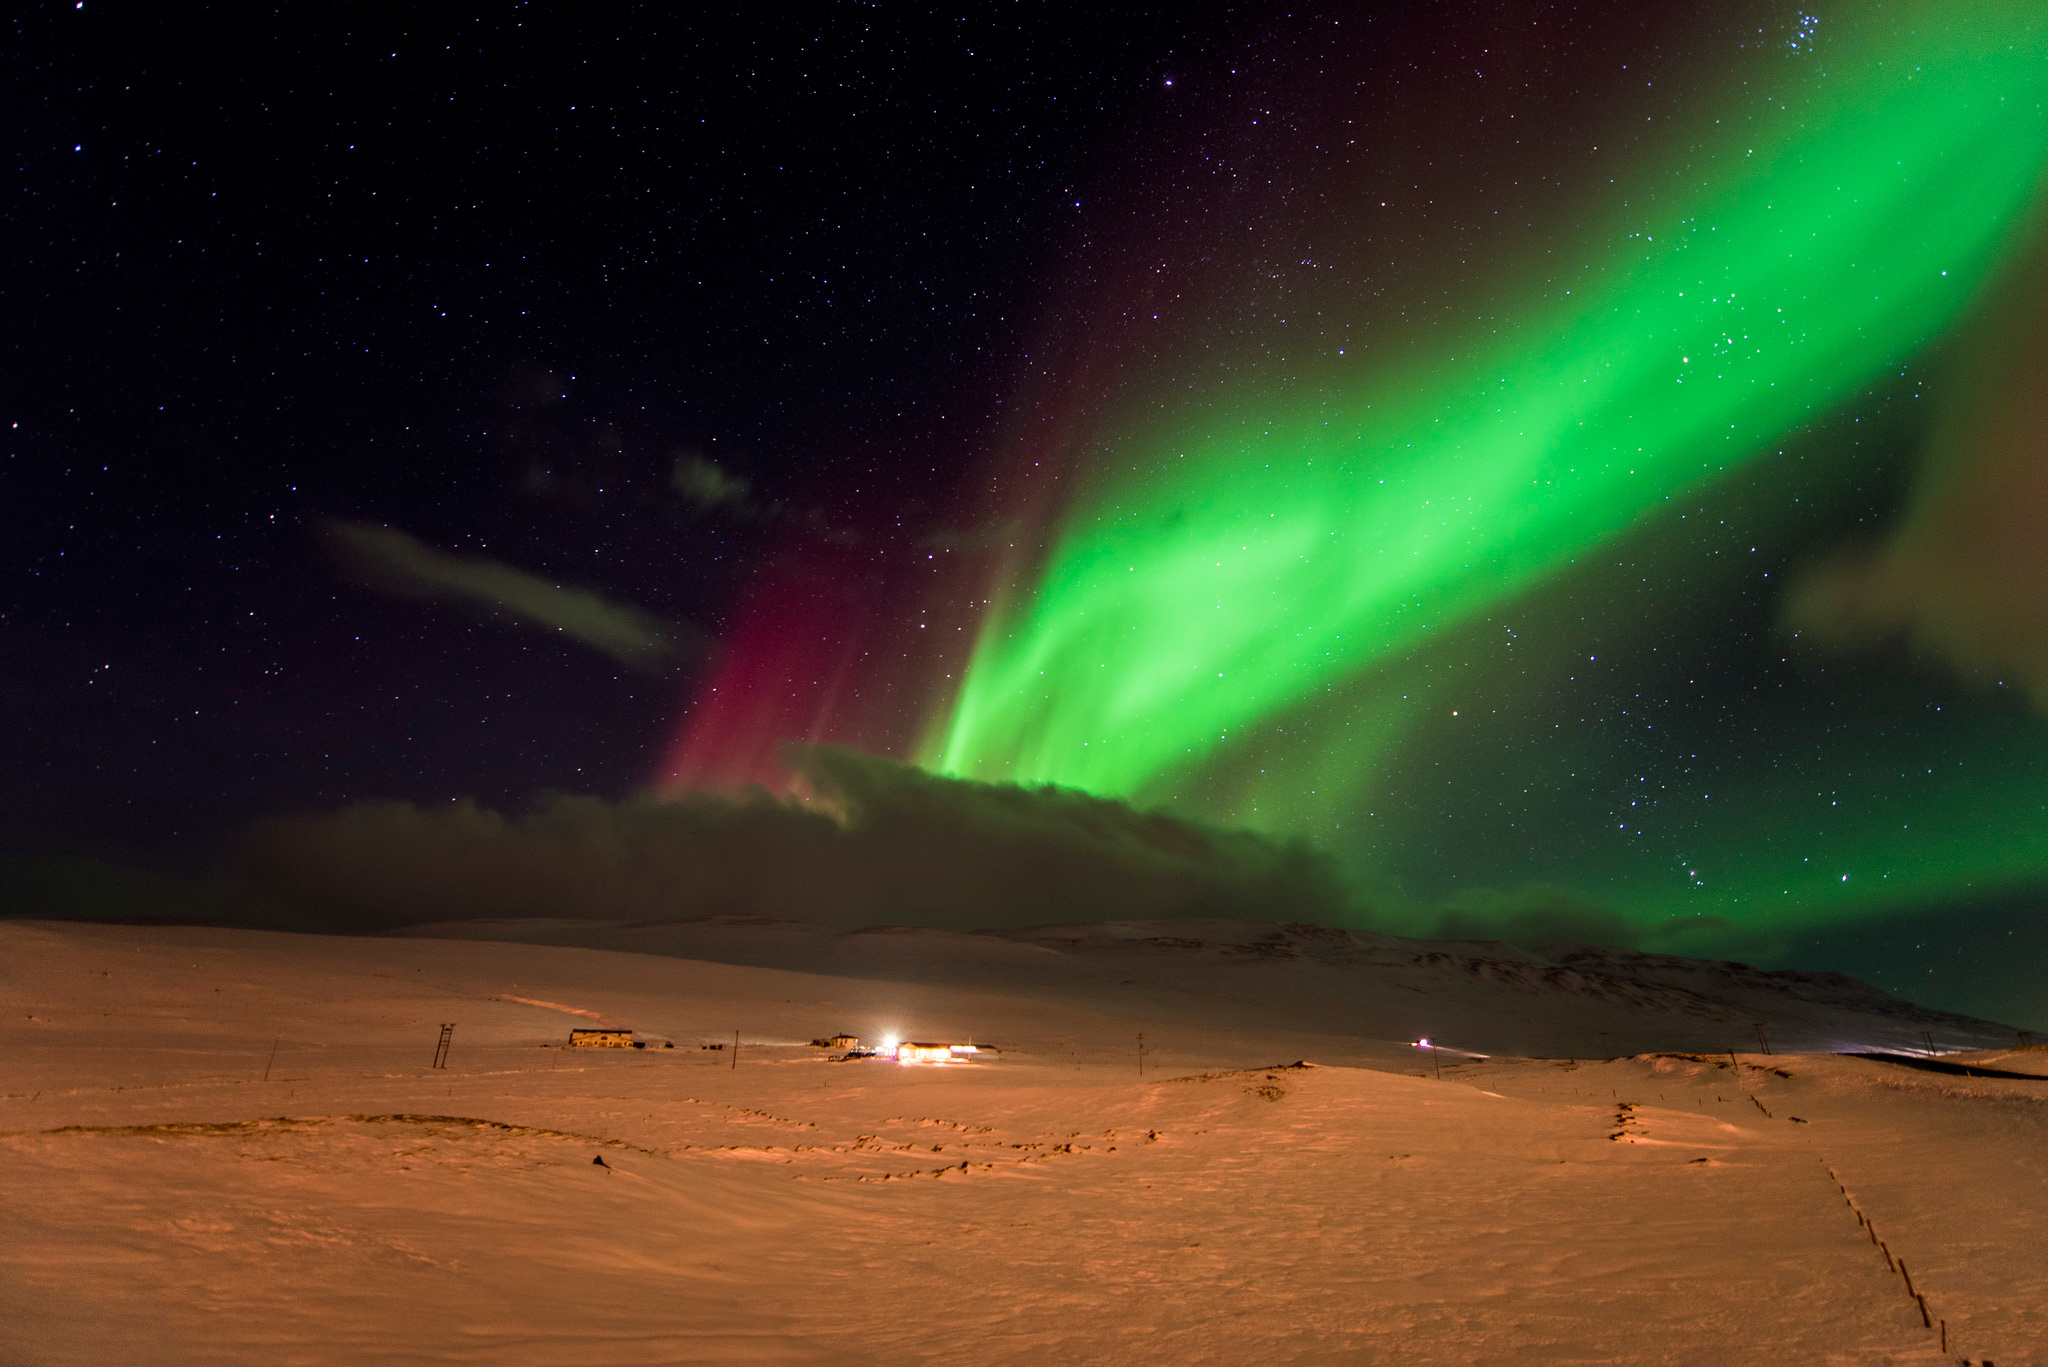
<point x="229" y="1146"/>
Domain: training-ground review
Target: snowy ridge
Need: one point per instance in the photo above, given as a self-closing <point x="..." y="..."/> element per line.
<point x="1558" y="1001"/>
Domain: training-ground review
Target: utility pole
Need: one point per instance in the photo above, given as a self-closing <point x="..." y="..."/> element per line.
<point x="1141" y="1053"/>
<point x="735" y="1051"/>
<point x="1762" y="1038"/>
<point x="272" y="1059"/>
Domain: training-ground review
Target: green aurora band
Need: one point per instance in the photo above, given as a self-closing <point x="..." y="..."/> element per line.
<point x="1226" y="565"/>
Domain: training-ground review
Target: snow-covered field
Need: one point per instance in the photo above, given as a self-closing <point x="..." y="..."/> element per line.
<point x="162" y="1200"/>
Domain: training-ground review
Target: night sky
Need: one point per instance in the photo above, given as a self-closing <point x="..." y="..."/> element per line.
<point x="569" y="400"/>
<point x="261" y="273"/>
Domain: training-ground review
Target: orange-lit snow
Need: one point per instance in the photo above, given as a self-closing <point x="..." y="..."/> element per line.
<point x="1040" y="1204"/>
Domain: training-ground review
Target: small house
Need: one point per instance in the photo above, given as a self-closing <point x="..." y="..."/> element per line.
<point x="918" y="1051"/>
<point x="600" y="1039"/>
<point x="842" y="1040"/>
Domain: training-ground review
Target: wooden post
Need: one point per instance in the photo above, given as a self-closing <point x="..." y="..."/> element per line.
<point x="735" y="1051"/>
<point x="1141" y="1053"/>
<point x="1763" y="1039"/>
<point x="272" y="1059"/>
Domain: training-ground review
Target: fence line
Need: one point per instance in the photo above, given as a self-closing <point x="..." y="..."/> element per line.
<point x="1892" y="1262"/>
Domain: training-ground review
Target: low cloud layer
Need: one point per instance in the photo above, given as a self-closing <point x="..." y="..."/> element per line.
<point x="897" y="846"/>
<point x="1537" y="914"/>
<point x="1963" y="579"/>
<point x="881" y="844"/>
<point x="393" y="562"/>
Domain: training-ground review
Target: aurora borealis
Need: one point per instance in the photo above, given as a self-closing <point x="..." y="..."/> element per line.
<point x="1555" y="457"/>
<point x="1250" y="580"/>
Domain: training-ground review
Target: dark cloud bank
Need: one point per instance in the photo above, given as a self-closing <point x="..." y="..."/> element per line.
<point x="885" y="844"/>
<point x="880" y="843"/>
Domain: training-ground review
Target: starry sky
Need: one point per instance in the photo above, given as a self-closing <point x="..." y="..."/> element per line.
<point x="535" y="400"/>
<point x="485" y="282"/>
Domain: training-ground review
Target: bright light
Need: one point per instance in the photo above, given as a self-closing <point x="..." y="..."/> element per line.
<point x="1422" y="1044"/>
<point x="933" y="1052"/>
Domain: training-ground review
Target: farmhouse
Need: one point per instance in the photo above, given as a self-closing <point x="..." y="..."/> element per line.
<point x="842" y="1040"/>
<point x="916" y="1051"/>
<point x="601" y="1039"/>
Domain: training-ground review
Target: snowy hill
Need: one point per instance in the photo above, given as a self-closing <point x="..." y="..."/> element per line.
<point x="1565" y="1001"/>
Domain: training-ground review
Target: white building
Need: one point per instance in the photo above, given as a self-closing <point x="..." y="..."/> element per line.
<point x="918" y="1051"/>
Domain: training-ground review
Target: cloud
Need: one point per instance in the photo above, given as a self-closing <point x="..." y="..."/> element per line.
<point x="1963" y="579"/>
<point x="709" y="486"/>
<point x="1539" y="914"/>
<point x="881" y="844"/>
<point x="395" y="563"/>
<point x="72" y="888"/>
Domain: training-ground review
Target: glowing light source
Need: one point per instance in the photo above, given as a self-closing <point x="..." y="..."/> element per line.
<point x="913" y="1051"/>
